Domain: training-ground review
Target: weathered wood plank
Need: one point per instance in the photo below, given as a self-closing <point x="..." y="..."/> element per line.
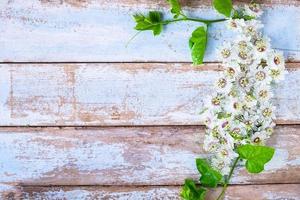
<point x="158" y="3"/>
<point x="247" y="192"/>
<point x="119" y="94"/>
<point x="75" y="30"/>
<point x="126" y="156"/>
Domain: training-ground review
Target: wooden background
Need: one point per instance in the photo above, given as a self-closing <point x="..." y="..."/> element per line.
<point x="84" y="117"/>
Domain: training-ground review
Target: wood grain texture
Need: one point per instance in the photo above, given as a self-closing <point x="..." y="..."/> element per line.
<point x="158" y="3"/>
<point x="97" y="31"/>
<point x="127" y="156"/>
<point x="247" y="192"/>
<point x="120" y="94"/>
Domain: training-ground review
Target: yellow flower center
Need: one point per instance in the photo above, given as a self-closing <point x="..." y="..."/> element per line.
<point x="267" y="112"/>
<point x="260" y="75"/>
<point x="250" y="29"/>
<point x="261" y="46"/>
<point x="244" y="81"/>
<point x="224" y="152"/>
<point x="216" y="101"/>
<point x="263" y="93"/>
<point x="242" y="44"/>
<point x="243" y="55"/>
<point x="233" y="93"/>
<point x="269" y="130"/>
<point x="215" y="132"/>
<point x="275" y="72"/>
<point x="254" y="7"/>
<point x="256" y="140"/>
<point x="248" y="122"/>
<point x="230" y="71"/>
<point x="221" y="83"/>
<point x="225" y="53"/>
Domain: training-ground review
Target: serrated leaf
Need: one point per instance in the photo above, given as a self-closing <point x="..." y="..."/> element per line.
<point x="138" y="17"/>
<point x="154" y="16"/>
<point x="256" y="156"/>
<point x="175" y="7"/>
<point x="151" y="22"/>
<point x="224" y="7"/>
<point x="197" y="44"/>
<point x="191" y="192"/>
<point x="209" y="176"/>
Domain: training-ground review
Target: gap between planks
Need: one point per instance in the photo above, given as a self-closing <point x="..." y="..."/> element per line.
<point x="95" y="127"/>
<point x="289" y="64"/>
<point x="141" y="186"/>
<point x="245" y="192"/>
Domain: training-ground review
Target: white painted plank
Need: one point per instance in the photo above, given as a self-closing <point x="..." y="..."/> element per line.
<point x="73" y="30"/>
<point x="127" y="156"/>
<point x="119" y="94"/>
<point x="248" y="192"/>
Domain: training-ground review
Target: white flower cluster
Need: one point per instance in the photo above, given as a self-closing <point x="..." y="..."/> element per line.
<point x="240" y="110"/>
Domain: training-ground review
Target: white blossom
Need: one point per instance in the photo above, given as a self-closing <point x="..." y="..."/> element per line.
<point x="253" y="10"/>
<point x="240" y="111"/>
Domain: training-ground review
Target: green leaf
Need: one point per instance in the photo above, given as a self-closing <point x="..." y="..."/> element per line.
<point x="191" y="192"/>
<point x="224" y="7"/>
<point x="256" y="156"/>
<point x="197" y="45"/>
<point x="240" y="15"/>
<point x="248" y="17"/>
<point x="175" y="7"/>
<point x="209" y="176"/>
<point x="151" y="22"/>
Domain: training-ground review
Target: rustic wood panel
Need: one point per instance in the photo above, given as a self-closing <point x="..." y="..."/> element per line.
<point x="126" y="156"/>
<point x="81" y="31"/>
<point x="119" y="94"/>
<point x="247" y="192"/>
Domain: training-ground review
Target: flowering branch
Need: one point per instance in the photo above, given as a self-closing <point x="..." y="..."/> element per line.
<point x="240" y="115"/>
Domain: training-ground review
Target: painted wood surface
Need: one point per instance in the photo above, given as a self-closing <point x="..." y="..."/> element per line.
<point x="120" y="94"/>
<point x="248" y="192"/>
<point x="98" y="30"/>
<point x="148" y="162"/>
<point x="127" y="156"/>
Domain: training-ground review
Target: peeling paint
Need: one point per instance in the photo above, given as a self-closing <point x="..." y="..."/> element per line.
<point x="81" y="31"/>
<point x="117" y="94"/>
<point x="106" y="156"/>
<point x="248" y="192"/>
<point x="281" y="160"/>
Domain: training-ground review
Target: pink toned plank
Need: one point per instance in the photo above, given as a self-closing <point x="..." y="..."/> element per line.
<point x="120" y="94"/>
<point x="127" y="156"/>
<point x="247" y="192"/>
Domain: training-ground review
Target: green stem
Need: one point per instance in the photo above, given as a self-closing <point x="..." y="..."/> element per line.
<point x="132" y="38"/>
<point x="228" y="178"/>
<point x="206" y="21"/>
